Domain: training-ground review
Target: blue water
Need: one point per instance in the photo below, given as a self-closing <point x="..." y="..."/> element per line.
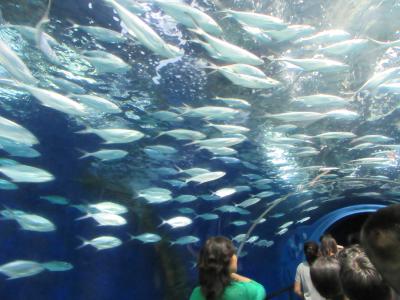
<point x="160" y="271"/>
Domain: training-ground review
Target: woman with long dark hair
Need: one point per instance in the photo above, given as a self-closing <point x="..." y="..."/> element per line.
<point x="303" y="285"/>
<point x="218" y="280"/>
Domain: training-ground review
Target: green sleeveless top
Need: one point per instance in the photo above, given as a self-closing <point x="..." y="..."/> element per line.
<point x="237" y="290"/>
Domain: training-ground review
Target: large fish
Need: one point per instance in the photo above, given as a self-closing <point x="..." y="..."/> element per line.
<point x="14" y="132"/>
<point x="185" y="14"/>
<point x="144" y="33"/>
<point x="257" y="20"/>
<point x="14" y="65"/>
<point x="225" y="51"/>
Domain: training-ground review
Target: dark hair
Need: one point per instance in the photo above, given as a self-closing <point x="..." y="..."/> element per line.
<point x="359" y="278"/>
<point x="311" y="251"/>
<point x="380" y="237"/>
<point x="328" y="245"/>
<point x="325" y="277"/>
<point x="214" y="262"/>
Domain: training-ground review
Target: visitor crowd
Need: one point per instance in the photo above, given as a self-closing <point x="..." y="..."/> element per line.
<point x="366" y="271"/>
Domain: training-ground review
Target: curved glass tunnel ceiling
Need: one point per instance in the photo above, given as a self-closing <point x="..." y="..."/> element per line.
<point x="122" y="152"/>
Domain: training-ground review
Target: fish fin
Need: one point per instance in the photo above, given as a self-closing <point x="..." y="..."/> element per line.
<point x="172" y="243"/>
<point x="131" y="237"/>
<point x="85" y="242"/>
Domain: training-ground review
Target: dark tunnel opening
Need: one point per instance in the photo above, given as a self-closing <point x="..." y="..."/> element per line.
<point x="346" y="231"/>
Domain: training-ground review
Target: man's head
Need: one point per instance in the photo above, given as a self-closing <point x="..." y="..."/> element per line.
<point x="359" y="278"/>
<point x="380" y="237"/>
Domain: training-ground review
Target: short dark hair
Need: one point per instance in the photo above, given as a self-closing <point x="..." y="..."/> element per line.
<point x="325" y="277"/>
<point x="359" y="278"/>
<point x="328" y="245"/>
<point x="311" y="251"/>
<point x="380" y="237"/>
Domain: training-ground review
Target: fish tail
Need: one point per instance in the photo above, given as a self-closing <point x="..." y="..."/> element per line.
<point x="132" y="237"/>
<point x="74" y="24"/>
<point x="88" y="215"/>
<point x="162" y="223"/>
<point x="39" y="26"/>
<point x="86" y="130"/>
<point x="85" y="153"/>
<point x="85" y="242"/>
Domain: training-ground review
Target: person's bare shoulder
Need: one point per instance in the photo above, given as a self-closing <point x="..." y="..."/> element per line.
<point x="240" y="278"/>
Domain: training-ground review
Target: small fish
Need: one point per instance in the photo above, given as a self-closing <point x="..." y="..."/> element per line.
<point x="249" y="202"/>
<point x="106" y="154"/>
<point x="115" y="135"/>
<point x="177" y="222"/>
<point x="142" y="32"/>
<point x="317" y="65"/>
<point x="298" y="117"/>
<point x="186" y="210"/>
<point x="14" y="65"/>
<point x="105" y="62"/>
<point x="232" y="209"/>
<point x="186" y="240"/>
<point x="203" y="178"/>
<point x="57" y="266"/>
<point x="225" y="192"/>
<point x="167" y="116"/>
<point x="310" y="209"/>
<point x="186" y="14"/>
<point x="50" y="98"/>
<point x="21" y="268"/>
<point x="55" y="199"/>
<point x="208" y="216"/>
<point x="101" y="242"/>
<point x="24" y="173"/>
<point x="303" y="220"/>
<point x="7" y="185"/>
<point x="223" y="151"/>
<point x="33" y="222"/>
<point x="99" y="104"/>
<point x="108" y="207"/>
<point x="252" y="239"/>
<point x="14" y="132"/>
<point x="258" y="20"/>
<point x="101" y="34"/>
<point x="376" y="139"/>
<point x="286" y="225"/>
<point x="282" y="231"/>
<point x="185" y="198"/>
<point x="224" y="51"/>
<point x="265" y="194"/>
<point x="234" y="102"/>
<point x="240" y="238"/>
<point x="105" y="219"/>
<point x="264" y="243"/>
<point x="324" y="37"/>
<point x="155" y="195"/>
<point x="335" y="135"/>
<point x="219" y="142"/>
<point x="146" y="238"/>
<point x="238" y="223"/>
<point x="184" y="134"/>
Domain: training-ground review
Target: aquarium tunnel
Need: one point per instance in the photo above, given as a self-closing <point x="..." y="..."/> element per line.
<point x="131" y="131"/>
